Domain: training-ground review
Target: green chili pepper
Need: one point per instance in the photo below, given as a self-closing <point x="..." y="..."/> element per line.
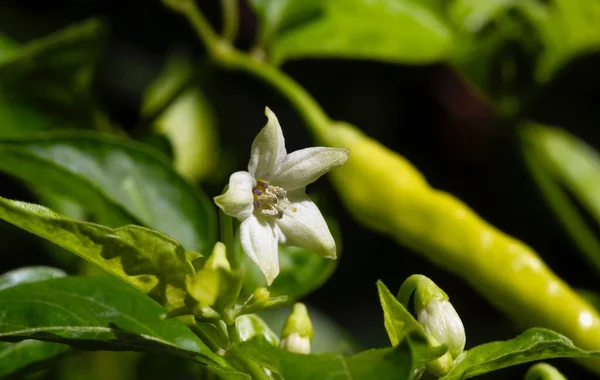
<point x="388" y="194"/>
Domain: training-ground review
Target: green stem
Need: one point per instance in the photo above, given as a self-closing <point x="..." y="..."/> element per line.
<point x="229" y="58"/>
<point x="234" y="335"/>
<point x="226" y="227"/>
<point x="230" y="11"/>
<point x="255" y="370"/>
<point x="426" y="290"/>
<point x="214" y="347"/>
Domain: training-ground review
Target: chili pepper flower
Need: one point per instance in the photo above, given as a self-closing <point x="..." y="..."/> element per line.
<point x="270" y="199"/>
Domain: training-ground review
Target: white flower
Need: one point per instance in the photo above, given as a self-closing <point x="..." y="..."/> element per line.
<point x="270" y="200"/>
<point x="440" y="320"/>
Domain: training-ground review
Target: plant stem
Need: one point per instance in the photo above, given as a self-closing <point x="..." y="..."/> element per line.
<point x="255" y="370"/>
<point x="214" y="347"/>
<point x="227" y="57"/>
<point x="234" y="335"/>
<point x="226" y="227"/>
<point x="229" y="9"/>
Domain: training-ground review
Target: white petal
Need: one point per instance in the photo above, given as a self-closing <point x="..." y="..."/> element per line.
<point x="238" y="199"/>
<point x="305" y="166"/>
<point x="259" y="241"/>
<point x="268" y="149"/>
<point x="303" y="226"/>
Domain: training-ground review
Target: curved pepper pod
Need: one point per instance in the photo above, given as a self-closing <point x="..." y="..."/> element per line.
<point x="387" y="193"/>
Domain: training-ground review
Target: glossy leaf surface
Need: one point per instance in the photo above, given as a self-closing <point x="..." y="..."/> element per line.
<point x="147" y="259"/>
<point x="120" y="181"/>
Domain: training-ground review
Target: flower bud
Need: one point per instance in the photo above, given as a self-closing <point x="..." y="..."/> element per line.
<point x="297" y="331"/>
<point x="215" y="283"/>
<point x="218" y="258"/>
<point x="434" y="312"/>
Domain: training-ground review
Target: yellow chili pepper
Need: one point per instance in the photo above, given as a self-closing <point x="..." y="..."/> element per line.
<point x="388" y="194"/>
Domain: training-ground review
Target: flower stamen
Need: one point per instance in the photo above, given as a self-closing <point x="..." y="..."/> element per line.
<point x="270" y="200"/>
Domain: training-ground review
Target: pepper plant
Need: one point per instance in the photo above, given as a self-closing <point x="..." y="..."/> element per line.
<point x="173" y="273"/>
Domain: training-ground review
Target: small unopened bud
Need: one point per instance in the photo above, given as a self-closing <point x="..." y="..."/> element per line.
<point x="438" y="317"/>
<point x="297" y="331"/>
<point x="218" y="258"/>
<point x="441" y="321"/>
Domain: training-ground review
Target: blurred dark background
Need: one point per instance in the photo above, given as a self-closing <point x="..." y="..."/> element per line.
<point x="426" y="113"/>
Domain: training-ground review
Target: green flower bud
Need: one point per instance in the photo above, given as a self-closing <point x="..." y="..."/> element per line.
<point x="297" y="331"/>
<point x="218" y="258"/>
<point x="215" y="284"/>
<point x="435" y="313"/>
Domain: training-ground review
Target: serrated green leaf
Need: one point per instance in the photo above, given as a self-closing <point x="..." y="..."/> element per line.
<point x="380" y="364"/>
<point x="118" y="180"/>
<point x="397" y="31"/>
<point x="147" y="259"/>
<point x="532" y="345"/>
<point x="95" y="313"/>
<point x="17" y="357"/>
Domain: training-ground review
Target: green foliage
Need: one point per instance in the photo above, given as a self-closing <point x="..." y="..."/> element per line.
<point x="118" y="180"/>
<point x="567" y="29"/>
<point x="405" y="31"/>
<point x="177" y="109"/>
<point x="398" y="321"/>
<point x="534" y="344"/>
<point x="563" y="165"/>
<point x="45" y="83"/>
<point x="96" y="313"/>
<point x="21" y="356"/>
<point x="389" y="363"/>
<point x="147" y="259"/>
<point x="277" y="14"/>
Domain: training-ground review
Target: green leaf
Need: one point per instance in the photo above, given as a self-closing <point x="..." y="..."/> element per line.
<point x="45" y="83"/>
<point x="474" y="15"/>
<point x="147" y="259"/>
<point x="397" y="31"/>
<point x="29" y="274"/>
<point x="380" y="364"/>
<point x="567" y="29"/>
<point x="278" y="14"/>
<point x="96" y="313"/>
<point x="21" y="356"/>
<point x="399" y="323"/>
<point x="180" y="111"/>
<point x="119" y="181"/>
<point x="532" y="345"/>
<point x="300" y="271"/>
<point x="552" y="155"/>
